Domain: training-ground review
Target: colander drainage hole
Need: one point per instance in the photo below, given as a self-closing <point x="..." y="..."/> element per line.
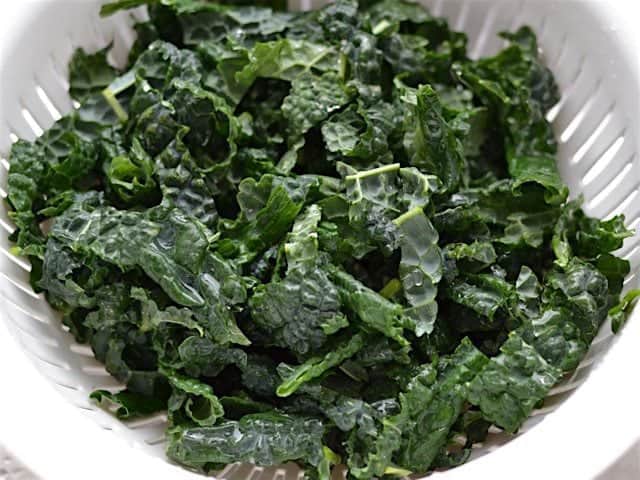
<point x="95" y="370"/>
<point x="611" y="187"/>
<point x="604" y="160"/>
<point x="48" y="104"/>
<point x="584" y="148"/>
<point x="33" y="125"/>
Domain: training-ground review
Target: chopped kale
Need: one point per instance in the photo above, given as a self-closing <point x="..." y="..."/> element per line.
<point x="327" y="237"/>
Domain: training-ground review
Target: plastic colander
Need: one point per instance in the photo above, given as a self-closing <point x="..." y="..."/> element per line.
<point x="587" y="421"/>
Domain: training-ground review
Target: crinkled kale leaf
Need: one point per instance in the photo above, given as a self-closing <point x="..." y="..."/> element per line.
<point x="327" y="237"/>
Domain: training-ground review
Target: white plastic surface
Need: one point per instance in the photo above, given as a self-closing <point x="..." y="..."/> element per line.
<point x="45" y="416"/>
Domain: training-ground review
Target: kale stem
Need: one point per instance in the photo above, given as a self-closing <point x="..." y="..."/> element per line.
<point x="407" y="216"/>
<point x="119" y="85"/>
<point x="115" y="104"/>
<point x="392" y="287"/>
<point x="376" y="171"/>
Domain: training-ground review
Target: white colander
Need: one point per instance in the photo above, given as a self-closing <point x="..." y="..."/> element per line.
<point x="46" y="418"/>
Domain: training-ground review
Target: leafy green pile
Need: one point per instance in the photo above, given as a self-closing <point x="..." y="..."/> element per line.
<point x="319" y="237"/>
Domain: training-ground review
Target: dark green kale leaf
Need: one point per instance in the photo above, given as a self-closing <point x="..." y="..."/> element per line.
<point x="209" y="117"/>
<point x="183" y="184"/>
<point x="129" y="404"/>
<point x="430" y="405"/>
<point x="528" y="290"/>
<point x="311" y="100"/>
<point x="431" y="143"/>
<point x="245" y="25"/>
<point x="262" y="439"/>
<point x="287" y="59"/>
<point x="431" y="420"/>
<point x="201" y="357"/>
<point x="339" y="20"/>
<point x="471" y="257"/>
<point x="373" y="310"/>
<point x="574" y="305"/>
<point x="361" y="132"/>
<point x="192" y="400"/>
<point x="420" y="268"/>
<point x="419" y="47"/>
<point x="388" y="14"/>
<point x="372" y="203"/>
<point x="494" y="212"/>
<point x="45" y="172"/>
<point x="89" y="73"/>
<point x="301" y="247"/>
<point x="575" y="234"/>
<point x="375" y="199"/>
<point x="238" y="406"/>
<point x="520" y="90"/>
<point x="511" y="384"/>
<point x="260" y="376"/>
<point x="270" y="208"/>
<point x="555" y="337"/>
<point x="616" y="270"/>
<point x="64" y="278"/>
<point x="130" y="177"/>
<point x="301" y="310"/>
<point x="620" y="312"/>
<point x="316" y="366"/>
<point x="151" y="316"/>
<point x="171" y="250"/>
<point x="584" y="291"/>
